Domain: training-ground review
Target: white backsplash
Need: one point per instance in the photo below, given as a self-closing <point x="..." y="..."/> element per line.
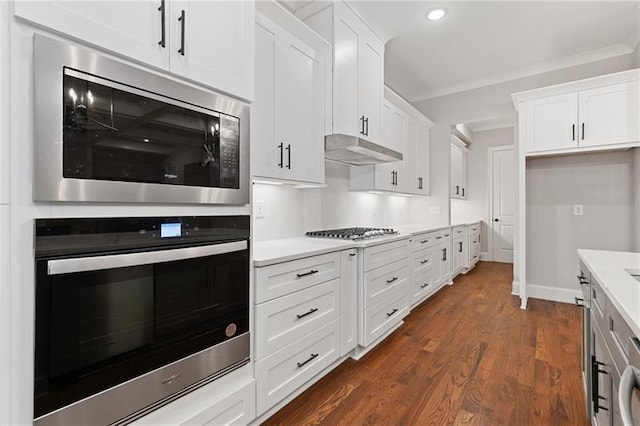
<point x="290" y="212"/>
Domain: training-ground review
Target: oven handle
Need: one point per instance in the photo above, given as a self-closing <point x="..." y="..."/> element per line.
<point x="95" y="263"/>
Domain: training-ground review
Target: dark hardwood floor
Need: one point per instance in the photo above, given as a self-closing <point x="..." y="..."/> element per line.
<point x="468" y="355"/>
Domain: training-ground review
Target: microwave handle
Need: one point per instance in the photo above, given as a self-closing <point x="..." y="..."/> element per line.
<point x="95" y="263"/>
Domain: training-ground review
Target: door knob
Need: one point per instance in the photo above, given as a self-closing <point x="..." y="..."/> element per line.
<point x="496" y="220"/>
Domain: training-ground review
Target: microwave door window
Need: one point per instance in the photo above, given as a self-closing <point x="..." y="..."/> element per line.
<point x="111" y="134"/>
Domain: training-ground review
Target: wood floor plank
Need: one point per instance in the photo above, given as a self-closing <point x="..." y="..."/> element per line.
<point x="467" y="356"/>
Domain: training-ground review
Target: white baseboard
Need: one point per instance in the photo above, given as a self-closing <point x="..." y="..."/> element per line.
<point x="555" y="294"/>
<point x="484" y="256"/>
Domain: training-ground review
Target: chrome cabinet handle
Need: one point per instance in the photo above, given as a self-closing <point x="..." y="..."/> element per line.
<point x="311" y="272"/>
<point x="311" y="358"/>
<point x="312" y="310"/>
<point x="182" y="19"/>
<point x="162" y="10"/>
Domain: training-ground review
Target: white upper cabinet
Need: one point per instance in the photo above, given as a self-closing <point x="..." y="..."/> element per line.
<point x="406" y="130"/>
<point x="609" y="115"/>
<point x="287" y="126"/>
<point x="458" y="169"/>
<point x="553" y="123"/>
<point x="590" y="114"/>
<point x="358" y="71"/>
<point x="211" y="43"/>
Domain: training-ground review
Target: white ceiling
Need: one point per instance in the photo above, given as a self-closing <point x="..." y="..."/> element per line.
<point x="464" y="67"/>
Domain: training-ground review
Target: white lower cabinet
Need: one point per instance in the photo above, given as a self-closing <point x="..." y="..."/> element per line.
<point x="427" y="273"/>
<point x="383" y="290"/>
<point x="474" y="245"/>
<point x="284" y="371"/>
<point x="349" y="301"/>
<point x="460" y="249"/>
<point x="286" y="319"/>
<point x="442" y="254"/>
<point x="212" y="404"/>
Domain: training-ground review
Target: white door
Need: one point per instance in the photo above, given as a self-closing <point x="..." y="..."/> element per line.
<point x="503" y="185"/>
<point x="128" y="28"/>
<point x="610" y="114"/>
<point x="554" y="123"/>
<point x="214" y="44"/>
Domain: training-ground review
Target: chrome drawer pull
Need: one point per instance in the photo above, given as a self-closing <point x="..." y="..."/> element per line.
<point x="311" y="358"/>
<point x="392" y="280"/>
<point x="312" y="310"/>
<point x="311" y="272"/>
<point x="392" y="312"/>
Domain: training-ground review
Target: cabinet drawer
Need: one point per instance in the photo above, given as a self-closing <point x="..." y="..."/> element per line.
<point x="617" y="334"/>
<point x="599" y="305"/>
<point x="457" y="231"/>
<point x="284" y="320"/>
<point x="421" y="261"/>
<point x="384" y="254"/>
<point x="283" y="278"/>
<point x="237" y="408"/>
<point x="381" y="283"/>
<point x="382" y="317"/>
<point x="284" y="371"/>
<point x="474" y="229"/>
<point x="421" y="241"/>
<point x="421" y="286"/>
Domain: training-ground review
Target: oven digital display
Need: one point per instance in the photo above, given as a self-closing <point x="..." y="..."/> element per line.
<point x="170" y="230"/>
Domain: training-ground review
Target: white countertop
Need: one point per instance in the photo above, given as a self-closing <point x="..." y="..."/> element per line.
<point x="465" y="222"/>
<point x="276" y="251"/>
<point x="418" y="229"/>
<point x="608" y="268"/>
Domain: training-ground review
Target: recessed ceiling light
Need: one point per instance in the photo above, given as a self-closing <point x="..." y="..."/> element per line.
<point x="436" y="14"/>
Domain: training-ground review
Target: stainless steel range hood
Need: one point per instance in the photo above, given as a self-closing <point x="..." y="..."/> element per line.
<point x="356" y="151"/>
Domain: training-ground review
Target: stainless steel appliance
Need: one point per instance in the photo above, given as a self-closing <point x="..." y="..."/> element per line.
<point x="106" y="131"/>
<point x="358" y="151"/>
<point x="352" y="233"/>
<point x="629" y="390"/>
<point x="131" y="313"/>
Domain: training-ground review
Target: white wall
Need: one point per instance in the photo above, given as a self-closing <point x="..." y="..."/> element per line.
<point x="476" y="206"/>
<point x="602" y="183"/>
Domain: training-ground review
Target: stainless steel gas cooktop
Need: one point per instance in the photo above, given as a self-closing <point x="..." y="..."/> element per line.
<point x="352" y="233"/>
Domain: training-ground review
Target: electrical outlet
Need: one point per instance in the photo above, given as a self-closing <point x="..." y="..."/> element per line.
<point x="259" y="209"/>
<point x="434" y="210"/>
<point x="578" y="209"/>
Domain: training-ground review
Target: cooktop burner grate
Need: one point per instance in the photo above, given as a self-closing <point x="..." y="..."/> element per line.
<point x="352" y="233"/>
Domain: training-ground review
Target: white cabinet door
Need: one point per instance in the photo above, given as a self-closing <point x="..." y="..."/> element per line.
<point x="463" y="173"/>
<point x="132" y="29"/>
<point x="302" y="106"/>
<point x="287" y="126"/>
<point x="265" y="148"/>
<point x="391" y="176"/>
<point x="346" y="42"/>
<point x="349" y="301"/>
<point x="454" y="160"/>
<point x="422" y="160"/>
<point x="609" y="115"/>
<point x="459" y="252"/>
<point x="213" y="43"/>
<point x="371" y="85"/>
<point x="552" y="123"/>
<point x="411" y="183"/>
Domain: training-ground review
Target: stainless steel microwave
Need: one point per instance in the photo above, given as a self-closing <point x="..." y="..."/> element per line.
<point x="106" y="131"/>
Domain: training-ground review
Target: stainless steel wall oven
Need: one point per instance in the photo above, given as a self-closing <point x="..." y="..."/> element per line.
<point x="106" y="131"/>
<point x="133" y="312"/>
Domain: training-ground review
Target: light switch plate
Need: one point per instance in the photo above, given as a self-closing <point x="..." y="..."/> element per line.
<point x="578" y="209"/>
<point x="259" y="209"/>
